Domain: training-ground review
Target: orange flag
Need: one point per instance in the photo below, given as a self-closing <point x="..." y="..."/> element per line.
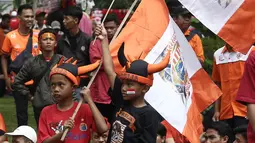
<point x="143" y="30"/>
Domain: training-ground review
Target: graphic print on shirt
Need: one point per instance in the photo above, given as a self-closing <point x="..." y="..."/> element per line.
<point x="117" y="132"/>
<point x="57" y="127"/>
<point x="77" y="133"/>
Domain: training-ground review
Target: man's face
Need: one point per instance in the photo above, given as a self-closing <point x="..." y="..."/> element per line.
<point x="48" y="43"/>
<point x="212" y="136"/>
<point x="27" y="18"/>
<point x="240" y="139"/>
<point x="183" y="21"/>
<point x="6" y="23"/>
<point x="40" y="20"/>
<point x="111" y="28"/>
<point x="100" y="138"/>
<point x="19" y="139"/>
<point x="70" y="22"/>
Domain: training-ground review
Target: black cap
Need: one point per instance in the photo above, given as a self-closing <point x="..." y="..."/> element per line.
<point x="179" y="10"/>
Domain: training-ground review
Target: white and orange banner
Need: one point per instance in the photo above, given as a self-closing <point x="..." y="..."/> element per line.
<point x="232" y="20"/>
<point x="182" y="90"/>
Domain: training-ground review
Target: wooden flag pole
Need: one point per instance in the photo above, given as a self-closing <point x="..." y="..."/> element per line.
<point x="81" y="101"/>
<point x="95" y="73"/>
<point x="124" y="20"/>
<point x="105" y="18"/>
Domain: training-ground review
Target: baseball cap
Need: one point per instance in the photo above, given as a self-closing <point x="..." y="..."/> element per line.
<point x="55" y="25"/>
<point x="25" y="131"/>
<point x="40" y="13"/>
<point x="14" y="13"/>
<point x="180" y="10"/>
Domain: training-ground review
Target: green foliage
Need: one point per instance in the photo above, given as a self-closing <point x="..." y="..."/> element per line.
<point x="3" y="7"/>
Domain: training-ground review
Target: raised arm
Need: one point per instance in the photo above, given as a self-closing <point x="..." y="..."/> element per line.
<point x="107" y="59"/>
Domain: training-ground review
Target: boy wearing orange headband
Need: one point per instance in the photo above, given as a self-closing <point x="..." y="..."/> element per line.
<point x="55" y="118"/>
<point x="37" y="69"/>
<point x="135" y="120"/>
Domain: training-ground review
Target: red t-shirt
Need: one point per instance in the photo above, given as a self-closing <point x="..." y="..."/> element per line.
<point x="52" y="121"/>
<point x="246" y="93"/>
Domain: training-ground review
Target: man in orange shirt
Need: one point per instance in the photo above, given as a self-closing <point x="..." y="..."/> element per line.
<point x="20" y="44"/>
<point x="228" y="70"/>
<point x="182" y="17"/>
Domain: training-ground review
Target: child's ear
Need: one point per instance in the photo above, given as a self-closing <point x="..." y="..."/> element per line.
<point x="225" y="139"/>
<point x="74" y="87"/>
<point x="145" y="89"/>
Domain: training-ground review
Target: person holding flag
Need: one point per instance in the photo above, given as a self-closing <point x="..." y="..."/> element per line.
<point x="135" y="120"/>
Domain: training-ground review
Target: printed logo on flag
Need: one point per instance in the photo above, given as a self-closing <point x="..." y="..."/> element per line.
<point x="175" y="73"/>
<point x="224" y="3"/>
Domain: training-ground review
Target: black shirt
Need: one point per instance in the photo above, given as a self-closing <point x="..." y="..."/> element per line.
<point x="131" y="124"/>
<point x="77" y="47"/>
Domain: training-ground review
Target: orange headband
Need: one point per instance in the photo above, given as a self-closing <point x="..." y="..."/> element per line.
<point x="66" y="73"/>
<point x="136" y="78"/>
<point x="48" y="35"/>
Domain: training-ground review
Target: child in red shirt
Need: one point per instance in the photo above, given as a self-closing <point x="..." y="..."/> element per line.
<point x="55" y="118"/>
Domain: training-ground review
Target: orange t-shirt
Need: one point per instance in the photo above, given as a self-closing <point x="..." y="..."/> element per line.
<point x="14" y="44"/>
<point x="228" y="68"/>
<point x="196" y="44"/>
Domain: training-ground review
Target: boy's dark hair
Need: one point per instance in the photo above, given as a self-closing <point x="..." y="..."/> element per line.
<point x="223" y="129"/>
<point x="25" y="6"/>
<point x="161" y="130"/>
<point x="5" y="17"/>
<point x="241" y="130"/>
<point x="112" y="17"/>
<point x="73" y="11"/>
<point x="47" y="30"/>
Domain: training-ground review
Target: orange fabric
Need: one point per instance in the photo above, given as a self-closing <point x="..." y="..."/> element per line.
<point x="205" y="92"/>
<point x="171" y="132"/>
<point x="142" y="31"/>
<point x="197" y="46"/>
<point x="241" y="23"/>
<point x="229" y="75"/>
<point x="2" y="123"/>
<point x="14" y="44"/>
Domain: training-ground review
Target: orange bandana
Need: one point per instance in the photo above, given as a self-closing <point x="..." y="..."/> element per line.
<point x="48" y="35"/>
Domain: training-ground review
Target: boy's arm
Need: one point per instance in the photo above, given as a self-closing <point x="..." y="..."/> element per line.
<point x="107" y="59"/>
<point x="98" y="118"/>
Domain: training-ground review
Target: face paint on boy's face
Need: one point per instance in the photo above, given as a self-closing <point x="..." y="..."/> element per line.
<point x="131" y="89"/>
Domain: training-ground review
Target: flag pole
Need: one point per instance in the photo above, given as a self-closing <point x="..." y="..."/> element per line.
<point x="81" y="101"/>
<point x="95" y="73"/>
<point x="108" y="10"/>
